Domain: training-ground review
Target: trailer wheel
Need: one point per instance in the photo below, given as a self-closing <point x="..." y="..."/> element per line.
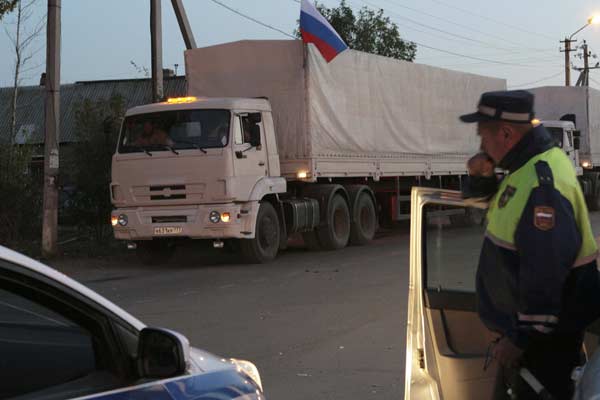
<point x="265" y="245"/>
<point x="594" y="199"/>
<point x="155" y="252"/>
<point x="365" y="221"/>
<point x="335" y="234"/>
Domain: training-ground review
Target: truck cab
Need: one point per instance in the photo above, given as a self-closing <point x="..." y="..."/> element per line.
<point x="567" y="138"/>
<point x="194" y="168"/>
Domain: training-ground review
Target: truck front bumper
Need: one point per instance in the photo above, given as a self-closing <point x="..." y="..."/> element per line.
<point x="146" y="223"/>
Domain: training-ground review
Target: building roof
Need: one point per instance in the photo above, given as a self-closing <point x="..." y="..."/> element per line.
<point x="30" y="103"/>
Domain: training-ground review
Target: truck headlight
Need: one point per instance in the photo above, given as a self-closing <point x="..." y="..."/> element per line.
<point x="214" y="217"/>
<point x="586" y="164"/>
<point x="225" y="217"/>
<point x="122" y="220"/>
<point x="114" y="220"/>
<point x="249" y="369"/>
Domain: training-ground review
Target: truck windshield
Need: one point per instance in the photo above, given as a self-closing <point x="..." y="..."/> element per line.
<point x="180" y="129"/>
<point x="557" y="135"/>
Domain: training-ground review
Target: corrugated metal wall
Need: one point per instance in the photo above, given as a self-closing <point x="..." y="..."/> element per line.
<point x="30" y="105"/>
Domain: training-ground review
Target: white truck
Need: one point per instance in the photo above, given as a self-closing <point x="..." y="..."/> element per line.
<point x="572" y="115"/>
<point x="273" y="141"/>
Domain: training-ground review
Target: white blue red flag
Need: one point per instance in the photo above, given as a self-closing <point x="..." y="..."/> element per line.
<point x="316" y="29"/>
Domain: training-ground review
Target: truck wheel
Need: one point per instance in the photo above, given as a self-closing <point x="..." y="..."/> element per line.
<point x="365" y="224"/>
<point x="263" y="248"/>
<point x="336" y="233"/>
<point x="594" y="199"/>
<point x="155" y="252"/>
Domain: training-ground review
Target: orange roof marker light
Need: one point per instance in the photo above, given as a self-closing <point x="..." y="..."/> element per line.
<point x="181" y="100"/>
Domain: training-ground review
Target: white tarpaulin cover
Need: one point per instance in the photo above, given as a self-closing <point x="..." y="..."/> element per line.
<point x="358" y="106"/>
<point x="552" y="102"/>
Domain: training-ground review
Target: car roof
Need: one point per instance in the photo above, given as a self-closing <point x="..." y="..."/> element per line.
<point x="35" y="266"/>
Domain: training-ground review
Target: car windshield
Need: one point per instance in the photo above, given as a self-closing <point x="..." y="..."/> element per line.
<point x="175" y="130"/>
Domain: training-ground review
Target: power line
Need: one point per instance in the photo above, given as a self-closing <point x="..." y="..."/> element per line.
<point x="486" y="44"/>
<point x="493" y="20"/>
<point x="469" y="57"/>
<point x="454" y="23"/>
<point x="538" y="81"/>
<point x="454" y="53"/>
<point x="233" y="10"/>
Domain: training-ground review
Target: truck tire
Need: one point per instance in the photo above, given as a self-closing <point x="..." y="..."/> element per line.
<point x="365" y="221"/>
<point x="265" y="245"/>
<point x="335" y="234"/>
<point x="155" y="252"/>
<point x="594" y="199"/>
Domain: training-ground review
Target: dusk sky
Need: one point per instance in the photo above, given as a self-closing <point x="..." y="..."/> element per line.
<point x="516" y="40"/>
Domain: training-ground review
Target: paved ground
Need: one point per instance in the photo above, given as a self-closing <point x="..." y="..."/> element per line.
<point x="326" y="325"/>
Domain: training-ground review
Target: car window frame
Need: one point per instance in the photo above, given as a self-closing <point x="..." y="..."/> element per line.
<point x="65" y="301"/>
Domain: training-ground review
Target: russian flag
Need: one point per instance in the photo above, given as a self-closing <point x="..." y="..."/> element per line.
<point x="314" y="28"/>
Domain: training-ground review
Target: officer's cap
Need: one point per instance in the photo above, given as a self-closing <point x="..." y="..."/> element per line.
<point x="514" y="106"/>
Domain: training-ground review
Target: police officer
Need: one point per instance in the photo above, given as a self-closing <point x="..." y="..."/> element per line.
<point x="537" y="280"/>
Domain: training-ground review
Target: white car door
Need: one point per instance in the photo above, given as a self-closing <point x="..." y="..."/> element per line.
<point x="446" y="341"/>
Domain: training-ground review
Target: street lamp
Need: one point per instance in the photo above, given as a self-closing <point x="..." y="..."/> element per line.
<point x="592" y="20"/>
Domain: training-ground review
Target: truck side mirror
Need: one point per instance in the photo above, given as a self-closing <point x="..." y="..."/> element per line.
<point x="162" y="353"/>
<point x="576" y="143"/>
<point x="576" y="133"/>
<point x="255" y="135"/>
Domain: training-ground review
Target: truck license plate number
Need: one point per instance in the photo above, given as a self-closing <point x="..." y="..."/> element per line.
<point x="167" y="230"/>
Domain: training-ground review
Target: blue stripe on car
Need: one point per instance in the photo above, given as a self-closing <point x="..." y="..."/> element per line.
<point x="222" y="385"/>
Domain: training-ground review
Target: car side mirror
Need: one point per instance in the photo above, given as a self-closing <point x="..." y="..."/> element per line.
<point x="576" y="142"/>
<point x="255" y="135"/>
<point x="162" y="353"/>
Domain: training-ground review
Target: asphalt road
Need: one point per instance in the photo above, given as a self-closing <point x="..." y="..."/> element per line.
<point x="319" y="325"/>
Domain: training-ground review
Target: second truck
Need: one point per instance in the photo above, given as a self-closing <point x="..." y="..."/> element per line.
<point x="275" y="141"/>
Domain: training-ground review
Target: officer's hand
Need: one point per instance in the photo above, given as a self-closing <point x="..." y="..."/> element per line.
<point x="481" y="165"/>
<point x="507" y="353"/>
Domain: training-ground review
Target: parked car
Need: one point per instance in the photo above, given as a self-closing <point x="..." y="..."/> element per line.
<point x="61" y="340"/>
<point x="447" y="344"/>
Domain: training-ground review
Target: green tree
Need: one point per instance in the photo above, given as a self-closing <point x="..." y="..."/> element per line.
<point x="369" y="31"/>
<point x="20" y="208"/>
<point x="97" y="124"/>
<point x="7" y="6"/>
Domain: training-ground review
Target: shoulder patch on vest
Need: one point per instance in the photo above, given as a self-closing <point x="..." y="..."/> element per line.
<point x="506" y="195"/>
<point x="544" y="217"/>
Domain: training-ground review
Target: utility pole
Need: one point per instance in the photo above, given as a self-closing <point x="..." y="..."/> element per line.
<point x="567" y="52"/>
<point x="586" y="66"/>
<point x="584" y="75"/>
<point x="52" y="126"/>
<point x="156" y="43"/>
<point x="184" y="24"/>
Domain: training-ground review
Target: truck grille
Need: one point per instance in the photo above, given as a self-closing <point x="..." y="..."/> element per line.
<point x="168" y="193"/>
<point x="164" y="192"/>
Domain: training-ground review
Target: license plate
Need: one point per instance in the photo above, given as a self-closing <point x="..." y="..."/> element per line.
<point x="168" y="230"/>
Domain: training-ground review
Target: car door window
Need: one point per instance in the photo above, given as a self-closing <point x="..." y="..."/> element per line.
<point x="40" y="344"/>
<point x="53" y="343"/>
<point x="454" y="238"/>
